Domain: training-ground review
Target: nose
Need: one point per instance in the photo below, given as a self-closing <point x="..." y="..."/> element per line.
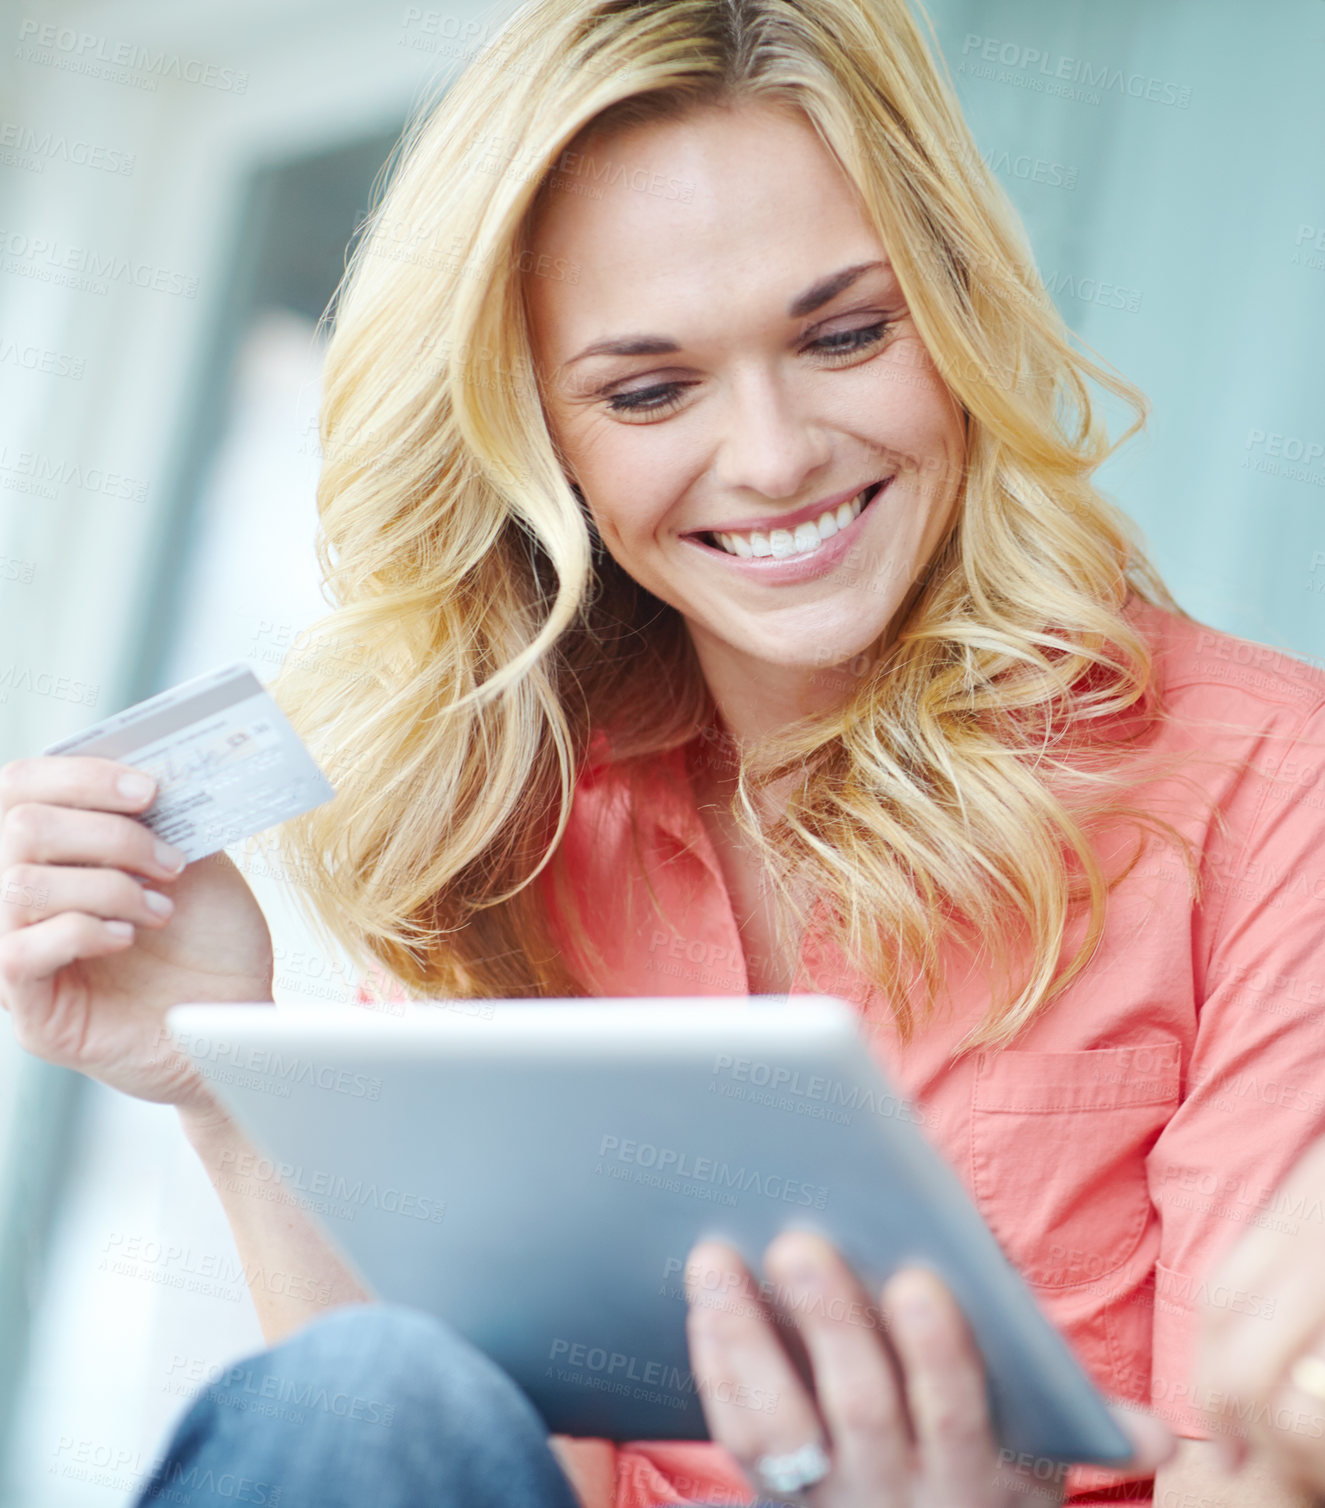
<point x="769" y="444"/>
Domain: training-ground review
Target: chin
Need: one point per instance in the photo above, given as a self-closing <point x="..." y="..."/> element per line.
<point x="814" y="644"/>
<point x="828" y="656"/>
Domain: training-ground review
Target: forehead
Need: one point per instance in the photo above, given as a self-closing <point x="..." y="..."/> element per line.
<point x="719" y="209"/>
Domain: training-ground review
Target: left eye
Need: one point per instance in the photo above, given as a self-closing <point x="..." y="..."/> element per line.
<point x="665" y="395"/>
<point x="845" y="342"/>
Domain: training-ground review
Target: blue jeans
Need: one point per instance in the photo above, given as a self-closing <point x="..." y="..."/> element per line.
<point x="372" y="1406"/>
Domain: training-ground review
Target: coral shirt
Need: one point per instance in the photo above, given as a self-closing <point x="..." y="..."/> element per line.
<point x="1142" y="1122"/>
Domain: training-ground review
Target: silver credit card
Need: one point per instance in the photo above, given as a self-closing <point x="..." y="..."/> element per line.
<point x="226" y="761"/>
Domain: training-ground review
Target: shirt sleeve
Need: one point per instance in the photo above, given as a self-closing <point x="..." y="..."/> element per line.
<point x="1254" y="1089"/>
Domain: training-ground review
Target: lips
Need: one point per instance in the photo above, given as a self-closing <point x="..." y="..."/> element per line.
<point x="801" y="532"/>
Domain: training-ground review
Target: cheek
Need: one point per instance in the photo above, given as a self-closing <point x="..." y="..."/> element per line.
<point x="629" y="495"/>
<point x="936" y="421"/>
<point x="626" y="525"/>
<point x="936" y="441"/>
<point x="922" y="406"/>
<point x="598" y="467"/>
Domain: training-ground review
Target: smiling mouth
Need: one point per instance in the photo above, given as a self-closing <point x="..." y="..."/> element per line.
<point x="804" y="539"/>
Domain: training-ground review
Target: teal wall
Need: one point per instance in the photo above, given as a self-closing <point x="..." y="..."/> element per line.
<point x="1202" y="208"/>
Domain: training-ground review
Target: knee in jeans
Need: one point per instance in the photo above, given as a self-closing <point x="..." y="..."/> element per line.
<point x="372" y="1330"/>
<point x="388" y="1355"/>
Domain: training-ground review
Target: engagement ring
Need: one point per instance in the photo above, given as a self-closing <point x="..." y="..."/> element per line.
<point x="786" y="1476"/>
<point x="1308" y="1375"/>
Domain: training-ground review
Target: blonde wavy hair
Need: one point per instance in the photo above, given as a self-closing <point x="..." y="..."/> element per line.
<point x="480" y="636"/>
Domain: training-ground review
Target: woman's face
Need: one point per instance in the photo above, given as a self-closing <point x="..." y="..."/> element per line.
<point x="764" y="378"/>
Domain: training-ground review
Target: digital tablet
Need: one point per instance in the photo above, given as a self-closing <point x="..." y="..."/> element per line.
<point x="535" y="1172"/>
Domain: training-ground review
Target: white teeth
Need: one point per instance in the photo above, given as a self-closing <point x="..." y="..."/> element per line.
<point x="807" y="537"/>
<point x="802" y="540"/>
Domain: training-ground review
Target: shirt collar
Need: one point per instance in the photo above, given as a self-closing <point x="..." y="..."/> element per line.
<point x="666" y="805"/>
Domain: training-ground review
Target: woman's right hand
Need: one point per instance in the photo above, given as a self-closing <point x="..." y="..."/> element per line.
<point x="74" y="861"/>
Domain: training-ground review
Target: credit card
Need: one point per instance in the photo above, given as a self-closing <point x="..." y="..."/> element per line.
<point x="226" y="761"/>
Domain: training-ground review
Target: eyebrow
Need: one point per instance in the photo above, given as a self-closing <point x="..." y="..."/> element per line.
<point x="814" y="297"/>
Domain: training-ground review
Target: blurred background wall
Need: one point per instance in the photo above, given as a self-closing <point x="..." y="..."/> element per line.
<point x="178" y="187"/>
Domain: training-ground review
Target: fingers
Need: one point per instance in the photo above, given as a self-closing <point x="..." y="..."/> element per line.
<point x="1151" y="1438"/>
<point x="945" y="1386"/>
<point x="58" y="812"/>
<point x="30" y="956"/>
<point x="754" y="1403"/>
<point x="859" y="1390"/>
<point x="1295" y="1421"/>
<point x="32" y="892"/>
<point x="1266" y="1304"/>
<point x="81" y="780"/>
<point x="35" y="834"/>
<point x="901" y="1423"/>
<point x="75" y="809"/>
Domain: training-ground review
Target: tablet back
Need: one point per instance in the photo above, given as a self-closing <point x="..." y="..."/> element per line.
<point x="535" y="1173"/>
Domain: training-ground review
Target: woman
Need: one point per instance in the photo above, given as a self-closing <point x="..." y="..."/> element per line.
<point x="707" y="499"/>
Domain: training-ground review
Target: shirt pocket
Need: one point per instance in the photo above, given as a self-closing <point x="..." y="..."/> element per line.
<point x="1058" y="1153"/>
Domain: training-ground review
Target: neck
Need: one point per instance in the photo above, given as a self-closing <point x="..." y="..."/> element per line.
<point x="755" y="698"/>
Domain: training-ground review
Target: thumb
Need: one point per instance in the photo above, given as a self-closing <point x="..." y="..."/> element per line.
<point x="1151" y="1438"/>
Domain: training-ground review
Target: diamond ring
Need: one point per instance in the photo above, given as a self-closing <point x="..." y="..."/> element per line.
<point x="787" y="1475"/>
<point x="1308" y="1375"/>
